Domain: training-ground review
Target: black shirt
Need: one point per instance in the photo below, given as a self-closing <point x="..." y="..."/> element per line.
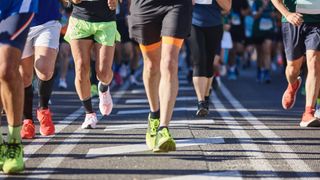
<point x="93" y="11"/>
<point x="237" y="19"/>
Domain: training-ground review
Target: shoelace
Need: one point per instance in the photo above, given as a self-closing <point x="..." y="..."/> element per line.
<point x="91" y="118"/>
<point x="105" y="97"/>
<point x="27" y="127"/>
<point x="154" y="125"/>
<point x="13" y="150"/>
<point x="2" y="148"/>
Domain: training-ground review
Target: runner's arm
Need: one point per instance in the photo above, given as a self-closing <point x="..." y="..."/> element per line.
<point x="292" y="17"/>
<point x="225" y="4"/>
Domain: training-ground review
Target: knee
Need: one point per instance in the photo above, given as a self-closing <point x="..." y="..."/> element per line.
<point x="8" y="72"/>
<point x="292" y="69"/>
<point x="45" y="74"/>
<point x="169" y="65"/>
<point x="151" y="67"/>
<point x="27" y="79"/>
<point x="104" y="74"/>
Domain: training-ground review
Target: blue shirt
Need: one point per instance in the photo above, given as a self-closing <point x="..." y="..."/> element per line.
<point x="207" y="15"/>
<point x="13" y="7"/>
<point x="48" y="11"/>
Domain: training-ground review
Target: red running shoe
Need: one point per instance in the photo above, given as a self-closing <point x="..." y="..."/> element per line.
<point x="308" y="120"/>
<point x="289" y="96"/>
<point x="46" y="124"/>
<point x="28" y="129"/>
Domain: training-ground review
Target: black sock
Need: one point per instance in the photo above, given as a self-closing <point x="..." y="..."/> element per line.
<point x="45" y="90"/>
<point x="161" y="127"/>
<point x="87" y="105"/>
<point x="28" y="100"/>
<point x="103" y="88"/>
<point x="155" y="115"/>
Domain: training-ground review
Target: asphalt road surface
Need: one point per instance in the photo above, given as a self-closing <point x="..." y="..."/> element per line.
<point x="246" y="136"/>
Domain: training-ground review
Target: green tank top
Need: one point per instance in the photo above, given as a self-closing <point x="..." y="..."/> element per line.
<point x="308" y="18"/>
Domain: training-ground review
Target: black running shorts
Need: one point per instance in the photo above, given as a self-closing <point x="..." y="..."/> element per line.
<point x="298" y="39"/>
<point x="151" y="19"/>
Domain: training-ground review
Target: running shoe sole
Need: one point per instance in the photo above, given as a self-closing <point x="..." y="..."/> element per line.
<point x="202" y="112"/>
<point x="313" y="123"/>
<point x="150" y="141"/>
<point x="14" y="171"/>
<point x="166" y="146"/>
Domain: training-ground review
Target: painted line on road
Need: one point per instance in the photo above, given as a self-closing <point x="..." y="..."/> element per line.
<point x="225" y="175"/>
<point x="183" y="88"/>
<point x="125" y="149"/>
<point x="280" y="146"/>
<point x="144" y="111"/>
<point x="142" y="101"/>
<point x="173" y="123"/>
<point x="259" y="163"/>
<point x="52" y="162"/>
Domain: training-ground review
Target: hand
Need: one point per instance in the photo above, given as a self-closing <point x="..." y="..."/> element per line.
<point x="112" y="4"/>
<point x="76" y="1"/>
<point x="295" y="18"/>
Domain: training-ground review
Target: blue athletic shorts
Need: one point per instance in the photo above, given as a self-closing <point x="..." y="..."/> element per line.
<point x="14" y="30"/>
<point x="298" y="39"/>
<point x="15" y="18"/>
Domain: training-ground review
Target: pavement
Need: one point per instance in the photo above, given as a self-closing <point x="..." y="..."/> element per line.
<point x="247" y="135"/>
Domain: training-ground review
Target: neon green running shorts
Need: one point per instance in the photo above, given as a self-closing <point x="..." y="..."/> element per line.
<point x="104" y="33"/>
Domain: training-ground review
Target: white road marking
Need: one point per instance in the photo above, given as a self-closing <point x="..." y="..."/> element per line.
<point x="142" y="101"/>
<point x="52" y="162"/>
<point x="174" y="123"/>
<point x="259" y="163"/>
<point x="224" y="175"/>
<point x="94" y="152"/>
<point x="144" y="111"/>
<point x="280" y="146"/>
<point x="183" y="88"/>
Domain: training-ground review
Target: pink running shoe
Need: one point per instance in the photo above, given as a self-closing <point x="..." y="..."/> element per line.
<point x="105" y="104"/>
<point x="90" y="121"/>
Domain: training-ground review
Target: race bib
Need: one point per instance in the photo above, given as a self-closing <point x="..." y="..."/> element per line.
<point x="265" y="24"/>
<point x="235" y="19"/>
<point x="308" y="6"/>
<point x="208" y="2"/>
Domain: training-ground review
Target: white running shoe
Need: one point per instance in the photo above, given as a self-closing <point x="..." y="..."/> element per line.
<point x="105" y="104"/>
<point x="90" y="121"/>
<point x="63" y="84"/>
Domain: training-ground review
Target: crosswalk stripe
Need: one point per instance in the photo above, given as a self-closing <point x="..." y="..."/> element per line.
<point x="224" y="175"/>
<point x="142" y="91"/>
<point x="66" y="148"/>
<point x="173" y="123"/>
<point x="94" y="152"/>
<point x="290" y="157"/>
<point x="259" y="163"/>
<point x="141" y="101"/>
<point x="143" y="111"/>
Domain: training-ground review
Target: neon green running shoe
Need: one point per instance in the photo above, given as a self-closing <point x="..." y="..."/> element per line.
<point x="153" y="125"/>
<point x="94" y="90"/>
<point x="3" y="148"/>
<point x="164" y="142"/>
<point x="14" y="159"/>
